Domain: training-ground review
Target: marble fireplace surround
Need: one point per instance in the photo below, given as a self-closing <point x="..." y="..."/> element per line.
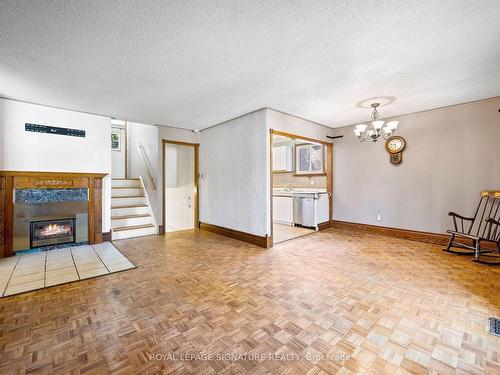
<point x="32" y="205"/>
<point x="22" y="187"/>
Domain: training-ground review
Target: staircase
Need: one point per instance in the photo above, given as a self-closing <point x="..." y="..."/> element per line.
<point x="131" y="215"/>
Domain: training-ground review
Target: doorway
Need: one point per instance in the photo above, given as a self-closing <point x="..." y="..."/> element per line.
<point x="118" y="149"/>
<point x="301" y="185"/>
<point x="180" y="185"/>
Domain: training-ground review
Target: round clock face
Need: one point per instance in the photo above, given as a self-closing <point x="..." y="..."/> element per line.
<point x="395" y="144"/>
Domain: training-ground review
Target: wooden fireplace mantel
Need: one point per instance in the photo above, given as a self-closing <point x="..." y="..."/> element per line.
<point x="10" y="180"/>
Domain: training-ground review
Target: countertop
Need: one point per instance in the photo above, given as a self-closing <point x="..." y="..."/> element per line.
<point x="285" y="193"/>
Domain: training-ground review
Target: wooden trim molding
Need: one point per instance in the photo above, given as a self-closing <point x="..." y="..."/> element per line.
<point x="54" y="182"/>
<point x="309" y="174"/>
<point x="126" y="149"/>
<point x="262" y="241"/>
<point x="6" y="215"/>
<point x="10" y="180"/>
<point x="329" y="179"/>
<point x="2" y="215"/>
<point x="271" y="186"/>
<point x="106" y="236"/>
<point x="324" y="225"/>
<point x="296" y="136"/>
<point x="269" y="242"/>
<point x="97" y="210"/>
<point x="180" y="143"/>
<point x="196" y="186"/>
<point x="407" y="234"/>
<point x="51" y="174"/>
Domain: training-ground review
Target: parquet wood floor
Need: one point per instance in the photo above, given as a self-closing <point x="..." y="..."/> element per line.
<point x="393" y="306"/>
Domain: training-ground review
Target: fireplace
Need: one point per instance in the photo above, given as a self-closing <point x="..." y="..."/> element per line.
<point x="27" y="197"/>
<point x="52" y="232"/>
<point x="49" y="217"/>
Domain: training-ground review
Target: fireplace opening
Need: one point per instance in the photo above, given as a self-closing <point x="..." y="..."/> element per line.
<point x="52" y="232"/>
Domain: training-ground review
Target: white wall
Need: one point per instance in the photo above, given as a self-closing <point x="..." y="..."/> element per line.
<point x="288" y="123"/>
<point x="233" y="158"/>
<point x="276" y="120"/>
<point x="27" y="151"/>
<point x="452" y="154"/>
<point x="175" y="134"/>
<point x="147" y="136"/>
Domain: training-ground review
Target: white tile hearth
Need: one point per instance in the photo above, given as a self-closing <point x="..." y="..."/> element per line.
<point x="26" y="272"/>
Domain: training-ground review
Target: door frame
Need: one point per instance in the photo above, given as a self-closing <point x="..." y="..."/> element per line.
<point x="125" y="146"/>
<point x="196" y="147"/>
<point x="329" y="172"/>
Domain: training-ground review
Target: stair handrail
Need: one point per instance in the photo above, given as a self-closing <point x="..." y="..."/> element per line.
<point x="147" y="164"/>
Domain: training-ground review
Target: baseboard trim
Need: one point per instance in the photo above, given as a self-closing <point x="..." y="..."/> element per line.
<point x="262" y="241"/>
<point x="324" y="225"/>
<point x="106" y="236"/>
<point x="407" y="234"/>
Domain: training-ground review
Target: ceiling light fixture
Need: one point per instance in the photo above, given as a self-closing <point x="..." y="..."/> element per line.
<point x="376" y="128"/>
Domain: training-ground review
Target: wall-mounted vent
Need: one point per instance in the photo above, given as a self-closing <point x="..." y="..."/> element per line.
<point x="495" y="326"/>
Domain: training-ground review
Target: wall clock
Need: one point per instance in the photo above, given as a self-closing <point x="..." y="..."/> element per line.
<point x="395" y="147"/>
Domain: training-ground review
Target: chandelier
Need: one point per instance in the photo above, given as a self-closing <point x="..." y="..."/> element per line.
<point x="376" y="128"/>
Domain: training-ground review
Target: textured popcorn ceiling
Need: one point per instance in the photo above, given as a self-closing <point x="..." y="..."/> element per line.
<point x="193" y="64"/>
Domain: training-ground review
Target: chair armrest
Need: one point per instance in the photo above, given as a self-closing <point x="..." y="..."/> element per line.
<point x="460" y="216"/>
<point x="489" y="227"/>
<point x="492" y="221"/>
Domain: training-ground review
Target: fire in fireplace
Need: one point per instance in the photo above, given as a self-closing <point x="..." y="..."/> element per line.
<point x="52" y="232"/>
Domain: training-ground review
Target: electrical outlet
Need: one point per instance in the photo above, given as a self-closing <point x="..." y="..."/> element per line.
<point x="379" y="217"/>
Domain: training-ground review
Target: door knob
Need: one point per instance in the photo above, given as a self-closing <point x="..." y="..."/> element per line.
<point x="189" y="202"/>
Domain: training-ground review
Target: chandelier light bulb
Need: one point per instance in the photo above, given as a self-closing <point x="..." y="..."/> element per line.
<point x="361" y="127"/>
<point x="387" y="131"/>
<point x="392" y="125"/>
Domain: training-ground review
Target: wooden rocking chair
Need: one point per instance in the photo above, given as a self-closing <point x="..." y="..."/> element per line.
<point x="484" y="226"/>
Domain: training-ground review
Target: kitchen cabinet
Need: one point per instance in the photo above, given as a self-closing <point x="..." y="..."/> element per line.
<point x="283" y="158"/>
<point x="283" y="210"/>
<point x="321" y="209"/>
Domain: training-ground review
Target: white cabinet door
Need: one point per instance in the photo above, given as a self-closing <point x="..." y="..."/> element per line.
<point x="279" y="158"/>
<point x="282" y="158"/>
<point x="283" y="210"/>
<point x="321" y="209"/>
